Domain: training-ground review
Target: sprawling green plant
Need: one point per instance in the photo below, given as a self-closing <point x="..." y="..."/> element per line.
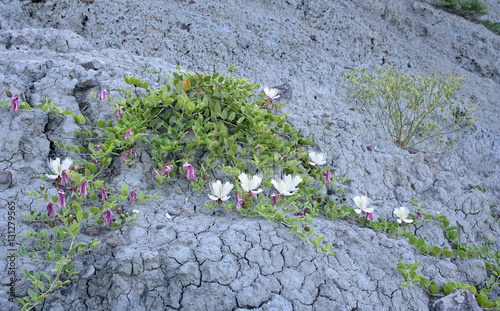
<point x="413" y="109"/>
<point x="79" y="199"/>
<point x="211" y="124"/>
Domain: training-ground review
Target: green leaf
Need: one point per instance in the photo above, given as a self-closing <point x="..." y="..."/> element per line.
<point x="101" y="123"/>
<point x="401" y="231"/>
<point x="32" y="293"/>
<point x="448" y="287"/>
<point x="45" y="275"/>
<point x="124" y="190"/>
<point x="179" y="87"/>
<point x="436" y="250"/>
<point x="26" y="273"/>
<point x="425" y="282"/>
<point x="58" y="247"/>
<point x="232" y="115"/>
<point x="434" y="288"/>
<point x="79" y="216"/>
<point x="412" y="239"/>
<point x="446" y="223"/>
<point x="74" y="229"/>
<point x="92" y="167"/>
<point x="217" y="109"/>
<point x="420" y="242"/>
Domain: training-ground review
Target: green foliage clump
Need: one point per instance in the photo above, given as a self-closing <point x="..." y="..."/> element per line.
<point x="471" y="9"/>
<point x="221" y="126"/>
<point x="494" y="27"/>
<point x="413" y="109"/>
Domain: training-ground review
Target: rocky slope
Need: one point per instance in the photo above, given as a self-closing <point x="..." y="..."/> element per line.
<point x="64" y="50"/>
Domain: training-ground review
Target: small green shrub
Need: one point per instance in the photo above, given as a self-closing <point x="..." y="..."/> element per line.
<point x="413" y="109"/>
<point x="471" y="9"/>
<point x="494" y="27"/>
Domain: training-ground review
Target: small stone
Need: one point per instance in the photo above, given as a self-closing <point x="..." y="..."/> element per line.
<point x="457" y="300"/>
<point x="5" y="177"/>
<point x="90" y="83"/>
<point x="89" y="273"/>
<point x="179" y="191"/>
<point x="314" y="38"/>
<point x="114" y="241"/>
<point x="486" y="174"/>
<point x="369" y="147"/>
<point x="93" y="64"/>
<point x="87" y="1"/>
<point x="19" y="40"/>
<point x="152" y="31"/>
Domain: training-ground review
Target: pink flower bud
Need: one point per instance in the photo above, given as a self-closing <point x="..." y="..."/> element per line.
<point x="190" y="172"/>
<point x="108" y="217"/>
<point x="62" y="199"/>
<point x="132" y="196"/>
<point x="50" y="209"/>
<point x="14" y="106"/>
<point x="102" y="94"/>
<point x="103" y="194"/>
<point x="128" y="133"/>
<point x="83" y="188"/>
<point x="167" y="169"/>
<point x="239" y="201"/>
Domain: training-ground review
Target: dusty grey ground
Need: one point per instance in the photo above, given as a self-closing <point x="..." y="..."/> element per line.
<point x="200" y="261"/>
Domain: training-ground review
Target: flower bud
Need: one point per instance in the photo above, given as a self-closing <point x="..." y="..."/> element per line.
<point x="9" y="94"/>
<point x="71" y="218"/>
<point x="39" y="214"/>
<point x="42" y="187"/>
<point x="307" y="228"/>
<point x="122" y="216"/>
<point x="205" y="176"/>
<point x="119" y="211"/>
<point x="52" y="223"/>
<point x="32" y="212"/>
<point x="319" y="200"/>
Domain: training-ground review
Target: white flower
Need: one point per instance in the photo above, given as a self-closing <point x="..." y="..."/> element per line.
<point x="136" y="211"/>
<point x="57" y="168"/>
<point x="249" y="185"/>
<point x="288" y="185"/>
<point x="168" y="216"/>
<point x="362" y="203"/>
<point x="220" y="192"/>
<point x="317" y="158"/>
<point x="271" y="93"/>
<point x="402" y="214"/>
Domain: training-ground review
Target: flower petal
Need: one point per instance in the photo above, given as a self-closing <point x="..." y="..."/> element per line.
<point x="226" y="189"/>
<point x="66" y="164"/>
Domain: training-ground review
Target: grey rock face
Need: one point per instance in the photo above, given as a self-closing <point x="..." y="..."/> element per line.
<point x="64" y="50"/>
